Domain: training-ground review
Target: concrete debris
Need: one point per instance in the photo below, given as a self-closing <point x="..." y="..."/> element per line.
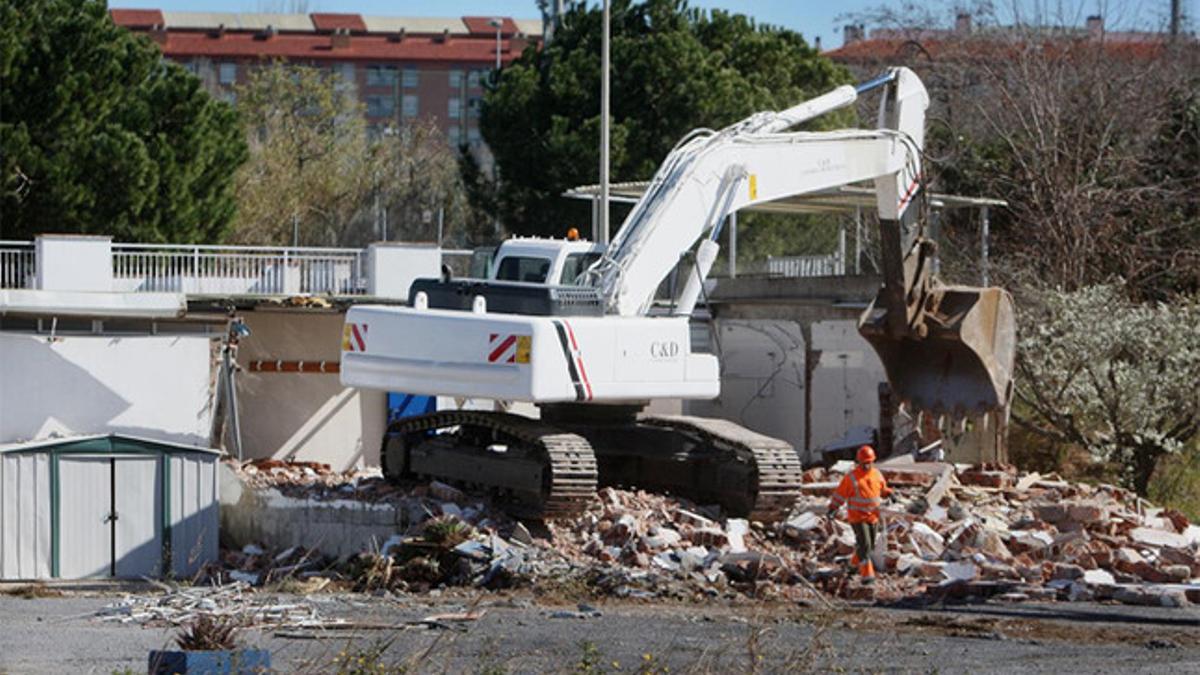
<point x="953" y="532"/>
<point x="179" y="606"/>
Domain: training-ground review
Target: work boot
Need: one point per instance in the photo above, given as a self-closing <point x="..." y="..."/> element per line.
<point x="867" y="571"/>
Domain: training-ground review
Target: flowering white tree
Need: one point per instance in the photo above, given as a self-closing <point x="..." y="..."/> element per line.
<point x="1117" y="378"/>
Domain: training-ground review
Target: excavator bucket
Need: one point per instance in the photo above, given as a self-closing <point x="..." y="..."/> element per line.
<point x="963" y="364"/>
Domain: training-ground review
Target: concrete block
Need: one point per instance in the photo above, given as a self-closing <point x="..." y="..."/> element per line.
<point x="74" y="262"/>
<point x="1051" y="513"/>
<point x="1158" y="538"/>
<point x="1067" y="571"/>
<point x="392" y="267"/>
<point x="1087" y="513"/>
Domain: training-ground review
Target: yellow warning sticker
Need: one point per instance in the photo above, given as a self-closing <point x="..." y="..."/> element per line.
<point x="524" y="346"/>
<point x="753" y="186"/>
<point x="346" y="344"/>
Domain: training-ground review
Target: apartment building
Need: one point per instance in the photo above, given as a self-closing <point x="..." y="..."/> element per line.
<point x="401" y="68"/>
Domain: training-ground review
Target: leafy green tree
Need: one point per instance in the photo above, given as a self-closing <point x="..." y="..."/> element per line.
<point x="100" y="135"/>
<point x="310" y="168"/>
<point x="674" y="69"/>
<point x="318" y="174"/>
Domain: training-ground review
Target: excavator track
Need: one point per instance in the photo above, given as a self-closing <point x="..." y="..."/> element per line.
<point x="559" y="476"/>
<point x="777" y="469"/>
<point x="552" y="470"/>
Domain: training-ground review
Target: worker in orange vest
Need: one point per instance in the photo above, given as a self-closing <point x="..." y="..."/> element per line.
<point x="862" y="491"/>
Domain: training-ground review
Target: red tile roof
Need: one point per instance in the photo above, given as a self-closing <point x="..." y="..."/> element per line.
<point x="482" y="25"/>
<point x="137" y="18"/>
<point x="246" y="45"/>
<point x="331" y="22"/>
<point x="891" y="48"/>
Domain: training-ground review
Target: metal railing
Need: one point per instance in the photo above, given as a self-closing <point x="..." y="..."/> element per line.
<point x="806" y="266"/>
<point x="18" y="264"/>
<point x="237" y="270"/>
<point x="222" y="270"/>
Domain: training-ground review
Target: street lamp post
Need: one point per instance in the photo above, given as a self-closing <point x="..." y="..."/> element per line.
<point x="601" y="234"/>
<point x="498" y="24"/>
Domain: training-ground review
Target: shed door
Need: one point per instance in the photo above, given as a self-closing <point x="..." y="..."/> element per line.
<point x="85" y="509"/>
<point x="137" y="503"/>
<point x="110" y="516"/>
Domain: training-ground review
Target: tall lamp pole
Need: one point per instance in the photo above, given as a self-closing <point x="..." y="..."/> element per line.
<point x="498" y="24"/>
<point x="601" y="233"/>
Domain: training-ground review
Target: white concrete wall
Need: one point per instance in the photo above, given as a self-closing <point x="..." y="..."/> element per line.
<point x="155" y="387"/>
<point x="845" y="382"/>
<point x="392" y="267"/>
<point x="74" y="262"/>
<point x="304" y="416"/>
<point x="336" y="528"/>
<point x="762" y="378"/>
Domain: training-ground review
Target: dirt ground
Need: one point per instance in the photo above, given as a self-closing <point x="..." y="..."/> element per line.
<point x="518" y="634"/>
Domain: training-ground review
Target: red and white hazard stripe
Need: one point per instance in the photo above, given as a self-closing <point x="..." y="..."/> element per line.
<point x="578" y="356"/>
<point x="358" y="336"/>
<point x="354" y="337"/>
<point x="502" y="348"/>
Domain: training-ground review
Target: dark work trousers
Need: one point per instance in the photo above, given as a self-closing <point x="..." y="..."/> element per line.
<point x="864" y="539"/>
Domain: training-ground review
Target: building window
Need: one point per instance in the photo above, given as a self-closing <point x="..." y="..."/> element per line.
<point x="344" y="72"/>
<point x="455" y="136"/>
<point x="473" y="78"/>
<point x="473" y="136"/>
<point x="456" y="78"/>
<point x="410" y="105"/>
<point x="474" y="105"/>
<point x="229" y="97"/>
<point x="192" y="67"/>
<point x="455" y="108"/>
<point x="411" y="76"/>
<point x="380" y="106"/>
<point x="381" y="76"/>
<point x="228" y="73"/>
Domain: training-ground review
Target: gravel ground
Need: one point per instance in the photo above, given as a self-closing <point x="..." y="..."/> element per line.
<point x="516" y="635"/>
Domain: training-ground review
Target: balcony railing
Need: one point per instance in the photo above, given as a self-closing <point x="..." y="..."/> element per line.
<point x="18" y="264"/>
<point x="807" y="266"/>
<point x="222" y="270"/>
<point x="239" y="270"/>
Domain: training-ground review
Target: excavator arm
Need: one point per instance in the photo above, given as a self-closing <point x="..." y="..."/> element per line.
<point x="945" y="349"/>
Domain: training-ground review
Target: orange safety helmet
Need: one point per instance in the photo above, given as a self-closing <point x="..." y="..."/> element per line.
<point x="865" y="454"/>
<point x="572" y="234"/>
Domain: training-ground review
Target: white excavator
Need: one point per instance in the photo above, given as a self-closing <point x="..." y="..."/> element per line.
<point x="591" y="355"/>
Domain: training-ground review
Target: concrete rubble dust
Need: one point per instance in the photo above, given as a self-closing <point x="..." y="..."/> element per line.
<point x="954" y="533"/>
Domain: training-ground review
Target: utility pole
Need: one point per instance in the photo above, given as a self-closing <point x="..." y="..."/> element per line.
<point x="497" y="23"/>
<point x="602" y="231"/>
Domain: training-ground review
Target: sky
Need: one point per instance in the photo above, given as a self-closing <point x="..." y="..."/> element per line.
<point x="812" y="18"/>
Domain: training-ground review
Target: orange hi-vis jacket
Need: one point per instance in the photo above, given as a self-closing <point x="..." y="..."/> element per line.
<point x="862" y="491"/>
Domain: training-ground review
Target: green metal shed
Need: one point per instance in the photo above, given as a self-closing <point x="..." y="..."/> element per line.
<point x="106" y="506"/>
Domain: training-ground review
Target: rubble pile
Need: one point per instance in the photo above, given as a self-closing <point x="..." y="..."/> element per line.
<point x="952" y="531"/>
<point x="179" y="606"/>
<point x="983" y="531"/>
<point x="313" y="480"/>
